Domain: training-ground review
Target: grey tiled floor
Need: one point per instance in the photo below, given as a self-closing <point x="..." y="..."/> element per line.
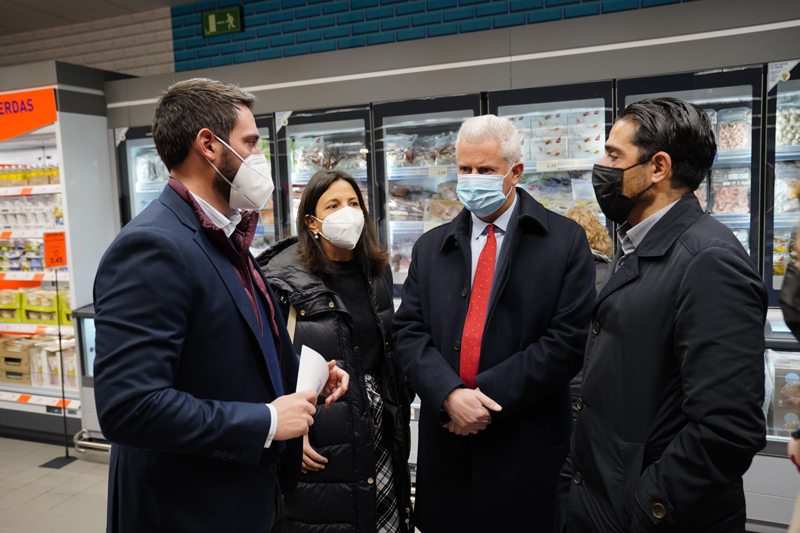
<point x="44" y="500"/>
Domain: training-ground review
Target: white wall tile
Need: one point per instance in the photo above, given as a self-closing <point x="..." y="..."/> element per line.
<point x="125" y="43"/>
<point x="145" y="16"/>
<point x="163" y="36"/>
<point x="72" y="40"/>
<point x="5" y="40"/>
<point x="160" y="69"/>
<point x="82" y="27"/>
<point x="101" y="24"/>
<point x="40" y="34"/>
<point x="83" y="49"/>
<point x="124" y="20"/>
<point x="114" y="55"/>
<point x="102" y="46"/>
<point x="163" y="12"/>
<point x="142" y="39"/>
<point x="91" y="36"/>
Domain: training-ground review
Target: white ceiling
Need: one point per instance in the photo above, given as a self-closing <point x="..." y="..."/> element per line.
<point x="17" y="16"/>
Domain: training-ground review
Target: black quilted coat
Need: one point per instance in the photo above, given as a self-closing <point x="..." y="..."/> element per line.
<point x="341" y="497"/>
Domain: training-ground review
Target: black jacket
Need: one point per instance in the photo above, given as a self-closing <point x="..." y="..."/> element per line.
<point x="503" y="478"/>
<point x="673" y="385"/>
<point x="341" y="498"/>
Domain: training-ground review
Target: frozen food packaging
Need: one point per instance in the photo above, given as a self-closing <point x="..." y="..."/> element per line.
<point x="734" y="128"/>
<point x="730" y="191"/>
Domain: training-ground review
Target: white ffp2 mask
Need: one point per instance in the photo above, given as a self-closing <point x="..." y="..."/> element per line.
<point x="252" y="186"/>
<point x="343" y="228"/>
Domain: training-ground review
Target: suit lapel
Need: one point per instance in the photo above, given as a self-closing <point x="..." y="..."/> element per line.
<point x="225" y="269"/>
<point x="627" y="272"/>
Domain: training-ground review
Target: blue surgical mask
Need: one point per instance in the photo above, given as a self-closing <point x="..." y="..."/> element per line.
<point x="482" y="194"/>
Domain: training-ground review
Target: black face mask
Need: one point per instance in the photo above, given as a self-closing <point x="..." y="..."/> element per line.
<point x="607" y="182"/>
<point x="790" y="299"/>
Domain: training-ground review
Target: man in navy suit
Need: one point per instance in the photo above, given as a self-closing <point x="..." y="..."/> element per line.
<point x="195" y="368"/>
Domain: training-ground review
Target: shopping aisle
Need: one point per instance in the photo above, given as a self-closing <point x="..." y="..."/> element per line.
<point x="35" y="499"/>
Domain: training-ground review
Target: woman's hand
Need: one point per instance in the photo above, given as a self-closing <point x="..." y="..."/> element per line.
<point x="311" y="459"/>
<point x="338" y="381"/>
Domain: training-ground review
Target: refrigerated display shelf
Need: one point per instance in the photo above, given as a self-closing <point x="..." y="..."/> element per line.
<point x="38" y="395"/>
<point x="733" y="221"/>
<point x="733" y="157"/>
<point x="787" y="220"/>
<point x="33" y="276"/>
<point x="27" y="234"/>
<point x="415" y="226"/>
<point x="787" y="153"/>
<point x="30" y="190"/>
<point x="36" y="329"/>
<point x="301" y="178"/>
<point x="404" y="173"/>
<point x="556" y="165"/>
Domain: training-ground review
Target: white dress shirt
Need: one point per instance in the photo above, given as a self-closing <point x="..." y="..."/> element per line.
<point x="227" y="223"/>
<point x="480" y="234"/>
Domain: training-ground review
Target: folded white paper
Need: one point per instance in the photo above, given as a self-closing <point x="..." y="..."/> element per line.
<point x="313" y="373"/>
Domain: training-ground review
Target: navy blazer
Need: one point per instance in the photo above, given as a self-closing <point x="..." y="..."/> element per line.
<point x="181" y="382"/>
<point x="504" y="478"/>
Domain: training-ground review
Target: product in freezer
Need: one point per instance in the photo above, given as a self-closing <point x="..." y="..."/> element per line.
<point x="405" y="210"/>
<point x="149" y="167"/>
<point x="593" y="118"/>
<point x="555" y="119"/>
<point x="787" y="123"/>
<point x="586" y="142"/>
<point x="523" y="127"/>
<point x="446" y="148"/>
<point x="308" y="154"/>
<point x="782" y="244"/>
<point x="583" y="193"/>
<point x="442" y="209"/>
<point x="424" y="151"/>
<point x="447" y="190"/>
<point x="787" y="186"/>
<point x="702" y="195"/>
<point x="399" y="151"/>
<point x="734" y="128"/>
<point x="730" y="191"/>
<point x="345" y="156"/>
<point x="552" y="189"/>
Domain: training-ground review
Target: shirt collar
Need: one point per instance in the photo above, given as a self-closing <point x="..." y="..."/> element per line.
<point x="479" y="226"/>
<point x="631" y="237"/>
<point x="227" y="222"/>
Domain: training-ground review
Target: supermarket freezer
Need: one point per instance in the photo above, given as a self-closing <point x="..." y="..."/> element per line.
<point x="416" y="173"/>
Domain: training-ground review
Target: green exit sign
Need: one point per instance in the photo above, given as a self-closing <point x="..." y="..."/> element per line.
<point x="222" y="21"/>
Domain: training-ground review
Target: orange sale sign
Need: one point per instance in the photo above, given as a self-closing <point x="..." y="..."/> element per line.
<point x="26" y="111"/>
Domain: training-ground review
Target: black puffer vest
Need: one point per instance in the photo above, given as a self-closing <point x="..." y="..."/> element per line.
<point x="341" y="498"/>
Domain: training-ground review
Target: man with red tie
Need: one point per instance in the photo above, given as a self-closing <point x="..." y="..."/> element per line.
<point x="491" y="329"/>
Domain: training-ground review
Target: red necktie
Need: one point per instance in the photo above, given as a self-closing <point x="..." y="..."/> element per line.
<point x="476" y="316"/>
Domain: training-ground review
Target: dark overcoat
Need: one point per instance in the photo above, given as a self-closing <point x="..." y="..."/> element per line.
<point x="182" y="382"/>
<point x="504" y="478"/>
<point x="673" y="385"/>
<point x="341" y="498"/>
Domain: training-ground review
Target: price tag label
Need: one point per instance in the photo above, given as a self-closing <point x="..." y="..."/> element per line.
<point x="55" y="249"/>
<point x="546" y="166"/>
<point x="437" y="172"/>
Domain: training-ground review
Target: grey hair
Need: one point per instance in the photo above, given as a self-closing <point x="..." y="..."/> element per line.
<point x="478" y="129"/>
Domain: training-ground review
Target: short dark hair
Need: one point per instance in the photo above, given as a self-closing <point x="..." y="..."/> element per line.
<point x="191" y="105"/>
<point x="368" y="250"/>
<point x="682" y="130"/>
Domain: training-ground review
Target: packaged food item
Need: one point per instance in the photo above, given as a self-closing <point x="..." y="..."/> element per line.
<point x="781" y="244"/>
<point x="787" y="186"/>
<point x="583" y="193"/>
<point x="308" y="154"/>
<point x="787" y="123"/>
<point x="586" y="142"/>
<point x="398" y="150"/>
<point x="555" y="119"/>
<point x="442" y="209"/>
<point x="594" y="118"/>
<point x="447" y="190"/>
<point x="552" y="189"/>
<point x="713" y="116"/>
<point x="424" y="151"/>
<point x="523" y="126"/>
<point x="446" y="148"/>
<point x="734" y="128"/>
<point x="702" y="195"/>
<point x="730" y="191"/>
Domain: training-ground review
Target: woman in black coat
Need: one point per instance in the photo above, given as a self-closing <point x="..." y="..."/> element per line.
<point x="334" y="285"/>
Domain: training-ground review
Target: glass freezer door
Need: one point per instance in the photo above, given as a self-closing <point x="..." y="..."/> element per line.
<point x="561" y="142"/>
<point x="732" y="100"/>
<point x="419" y="158"/>
<point x="783" y="159"/>
<point x="339" y="145"/>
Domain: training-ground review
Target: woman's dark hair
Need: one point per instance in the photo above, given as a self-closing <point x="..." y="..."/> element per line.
<point x="368" y="251"/>
<point x="678" y="128"/>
